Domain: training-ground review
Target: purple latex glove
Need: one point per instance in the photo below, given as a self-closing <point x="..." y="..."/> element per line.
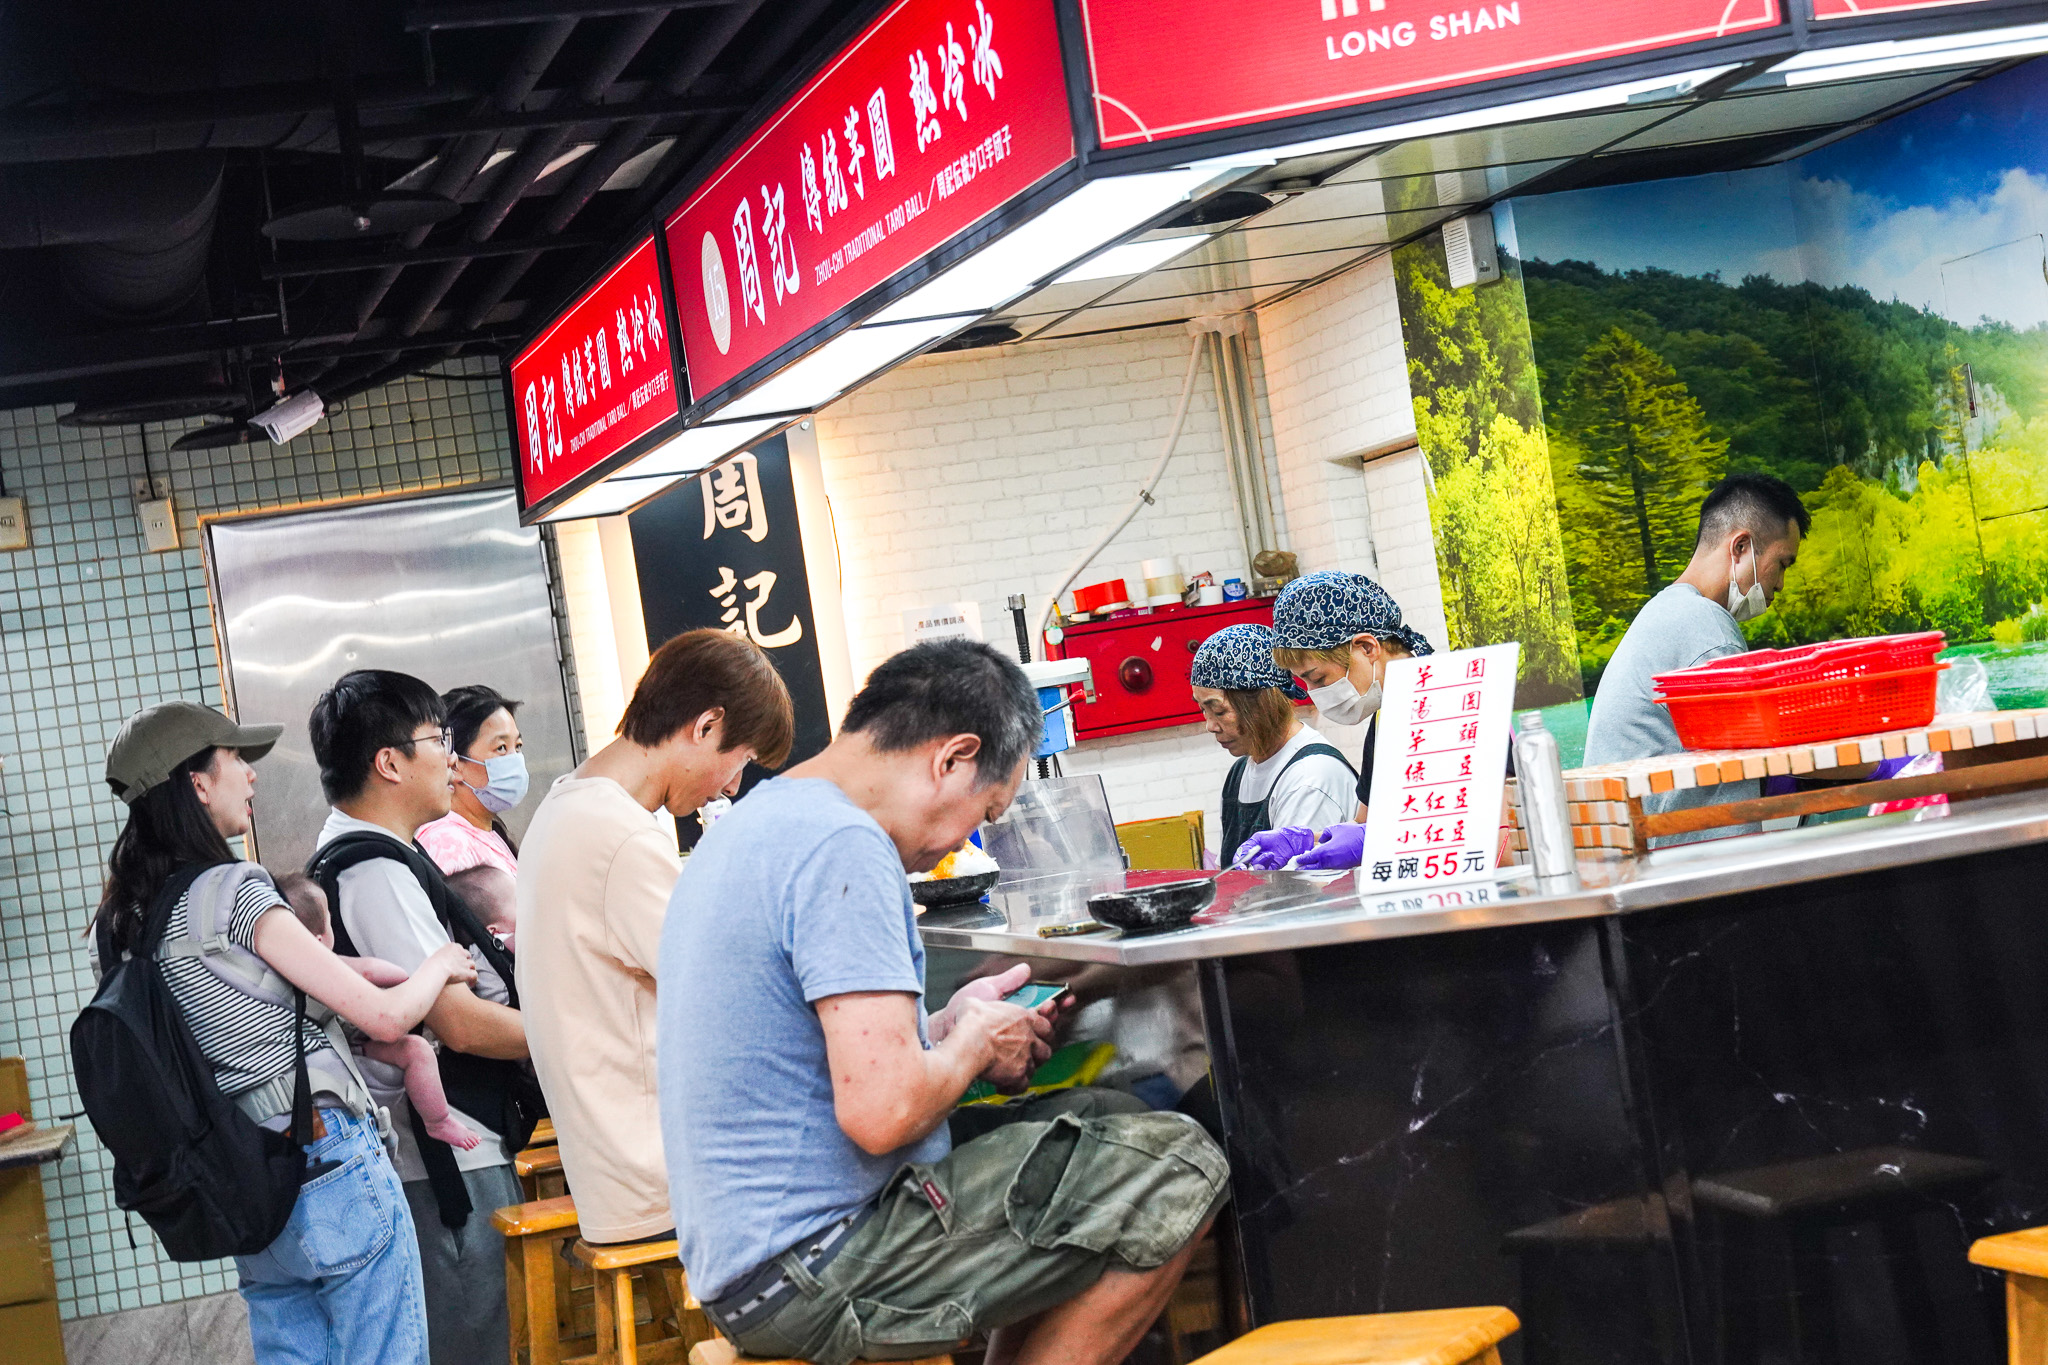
<point x="1270" y="849"/>
<point x="1340" y="848"/>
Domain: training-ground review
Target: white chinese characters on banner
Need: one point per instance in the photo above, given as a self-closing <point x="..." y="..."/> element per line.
<point x="1443" y="733"/>
<point x="732" y="499"/>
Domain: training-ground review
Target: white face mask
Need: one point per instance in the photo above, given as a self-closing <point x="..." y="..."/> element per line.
<point x="1344" y="703"/>
<point x="1746" y="606"/>
<point x="504" y="782"/>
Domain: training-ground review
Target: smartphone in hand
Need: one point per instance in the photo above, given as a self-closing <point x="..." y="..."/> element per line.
<point x="1035" y="994"/>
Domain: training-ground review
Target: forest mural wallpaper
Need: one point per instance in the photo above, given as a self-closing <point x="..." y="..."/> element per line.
<point x="1868" y="322"/>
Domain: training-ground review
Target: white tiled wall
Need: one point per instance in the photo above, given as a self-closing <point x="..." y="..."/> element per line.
<point x="92" y="627"/>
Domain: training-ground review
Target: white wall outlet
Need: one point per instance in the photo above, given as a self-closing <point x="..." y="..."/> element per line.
<point x="13" y="525"/>
<point x="159" y="523"/>
<point x="147" y="490"/>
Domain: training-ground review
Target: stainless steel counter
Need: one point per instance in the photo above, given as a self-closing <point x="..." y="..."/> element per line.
<point x="1258" y="912"/>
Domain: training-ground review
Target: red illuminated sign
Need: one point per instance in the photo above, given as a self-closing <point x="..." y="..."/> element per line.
<point x="595" y="381"/>
<point x="940" y="112"/>
<point x="1162" y="70"/>
<point x="1850" y="9"/>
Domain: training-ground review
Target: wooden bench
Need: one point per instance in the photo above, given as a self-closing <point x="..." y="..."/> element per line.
<point x="536" y="1298"/>
<point x="722" y="1352"/>
<point x="1441" y="1336"/>
<point x="2023" y="1256"/>
<point x="540" y="1172"/>
<point x="675" y="1320"/>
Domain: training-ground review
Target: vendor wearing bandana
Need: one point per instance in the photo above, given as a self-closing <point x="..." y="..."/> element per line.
<point x="1336" y="631"/>
<point x="1284" y="774"/>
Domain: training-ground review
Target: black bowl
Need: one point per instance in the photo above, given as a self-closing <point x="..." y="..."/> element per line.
<point x="953" y="890"/>
<point x="1153" y="909"/>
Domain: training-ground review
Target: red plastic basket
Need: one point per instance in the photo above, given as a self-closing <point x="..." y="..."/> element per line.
<point x="1808" y="663"/>
<point x="1798" y="696"/>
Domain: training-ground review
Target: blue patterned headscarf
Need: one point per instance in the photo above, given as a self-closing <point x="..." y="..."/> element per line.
<point x="1324" y="610"/>
<point x="1240" y="659"/>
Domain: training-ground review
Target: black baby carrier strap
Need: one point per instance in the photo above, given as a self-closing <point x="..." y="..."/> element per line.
<point x="207" y="1178"/>
<point x="501" y="1094"/>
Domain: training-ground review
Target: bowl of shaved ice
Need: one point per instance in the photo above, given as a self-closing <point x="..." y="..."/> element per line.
<point x="962" y="877"/>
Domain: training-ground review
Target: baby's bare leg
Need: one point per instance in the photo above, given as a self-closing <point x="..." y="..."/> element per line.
<point x="415" y="1057"/>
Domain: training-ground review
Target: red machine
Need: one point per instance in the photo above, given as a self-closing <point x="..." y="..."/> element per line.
<point x="1141" y="660"/>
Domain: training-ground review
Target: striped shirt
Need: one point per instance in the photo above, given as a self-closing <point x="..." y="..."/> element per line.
<point x="249" y="1041"/>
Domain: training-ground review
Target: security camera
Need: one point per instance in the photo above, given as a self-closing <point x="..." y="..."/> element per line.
<point x="291" y="417"/>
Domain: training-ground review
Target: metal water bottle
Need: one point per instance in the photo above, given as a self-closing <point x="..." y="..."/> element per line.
<point x="1546" y="817"/>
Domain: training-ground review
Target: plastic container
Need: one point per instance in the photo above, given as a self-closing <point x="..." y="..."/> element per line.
<point x="1799" y="696"/>
<point x="1233" y="590"/>
<point x="1100" y="596"/>
<point x="1546" y="815"/>
<point x="1808" y="663"/>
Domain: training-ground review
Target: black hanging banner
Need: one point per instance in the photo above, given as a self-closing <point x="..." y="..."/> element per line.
<point x="725" y="550"/>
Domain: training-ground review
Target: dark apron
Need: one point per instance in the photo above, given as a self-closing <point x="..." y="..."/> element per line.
<point x="1241" y="821"/>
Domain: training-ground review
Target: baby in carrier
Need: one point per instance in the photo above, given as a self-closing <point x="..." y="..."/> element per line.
<point x="412" y="1054"/>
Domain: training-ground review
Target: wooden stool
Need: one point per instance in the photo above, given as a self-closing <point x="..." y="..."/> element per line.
<point x="1442" y="1336"/>
<point x="675" y="1321"/>
<point x="719" y="1351"/>
<point x="534" y="1300"/>
<point x="540" y="1172"/>
<point x="543" y="1134"/>
<point x="2023" y="1256"/>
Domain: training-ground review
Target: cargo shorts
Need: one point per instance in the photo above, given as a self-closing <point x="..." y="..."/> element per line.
<point x="1007" y="1226"/>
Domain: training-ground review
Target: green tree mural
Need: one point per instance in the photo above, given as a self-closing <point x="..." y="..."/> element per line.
<point x="1645" y="452"/>
<point x="1923" y="516"/>
<point x="1493" y="511"/>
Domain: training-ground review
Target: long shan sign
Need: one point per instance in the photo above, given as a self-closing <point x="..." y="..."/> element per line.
<point x="940" y="112"/>
<point x="598" y="379"/>
<point x="1168" y="70"/>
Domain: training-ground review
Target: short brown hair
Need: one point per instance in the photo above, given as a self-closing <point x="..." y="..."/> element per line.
<point x="307" y="898"/>
<point x="706" y="670"/>
<point x="1294" y="660"/>
<point x="1263" y="715"/>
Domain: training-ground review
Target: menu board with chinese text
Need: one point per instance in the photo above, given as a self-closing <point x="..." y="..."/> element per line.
<point x="1437" y="774"/>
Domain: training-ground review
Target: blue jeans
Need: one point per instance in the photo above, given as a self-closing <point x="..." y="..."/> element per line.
<point x="342" y="1282"/>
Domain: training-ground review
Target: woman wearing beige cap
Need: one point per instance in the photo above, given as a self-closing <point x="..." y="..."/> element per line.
<point x="342" y="1281"/>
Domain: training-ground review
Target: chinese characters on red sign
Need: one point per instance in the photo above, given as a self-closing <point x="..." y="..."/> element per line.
<point x="1442" y="742"/>
<point x="940" y="112"/>
<point x="1162" y="71"/>
<point x="595" y="381"/>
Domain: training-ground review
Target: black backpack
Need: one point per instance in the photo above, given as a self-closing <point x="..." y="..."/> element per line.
<point x="207" y="1178"/>
<point x="501" y="1094"/>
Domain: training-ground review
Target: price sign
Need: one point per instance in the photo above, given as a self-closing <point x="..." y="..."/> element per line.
<point x="1432" y="900"/>
<point x="1442" y="751"/>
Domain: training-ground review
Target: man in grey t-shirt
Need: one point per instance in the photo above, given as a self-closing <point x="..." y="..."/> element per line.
<point x="820" y="1206"/>
<point x="1749" y="532"/>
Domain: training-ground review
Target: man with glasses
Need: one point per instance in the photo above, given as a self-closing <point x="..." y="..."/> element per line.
<point x="386" y="764"/>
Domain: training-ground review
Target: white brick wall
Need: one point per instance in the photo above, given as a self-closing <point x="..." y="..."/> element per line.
<point x="1338" y="380"/>
<point x="1395" y="492"/>
<point x="977" y="475"/>
<point x="982" y="474"/>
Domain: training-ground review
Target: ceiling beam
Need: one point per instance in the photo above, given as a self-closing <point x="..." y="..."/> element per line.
<point x="431" y="18"/>
<point x="565" y="115"/>
<point x="348" y="265"/>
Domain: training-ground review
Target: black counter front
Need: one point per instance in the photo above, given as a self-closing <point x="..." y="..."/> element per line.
<point x="1601" y="1122"/>
<point x="1754" y="1124"/>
